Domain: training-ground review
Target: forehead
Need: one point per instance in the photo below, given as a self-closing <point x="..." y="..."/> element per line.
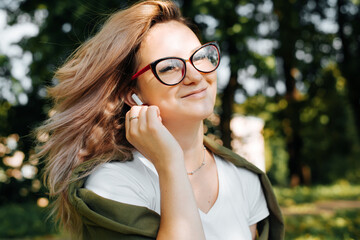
<point x="169" y="39"/>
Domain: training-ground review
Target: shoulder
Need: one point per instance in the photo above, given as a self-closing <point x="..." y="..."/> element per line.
<point x="113" y="171"/>
<point x="241" y="180"/>
<point x="129" y="182"/>
<point x="241" y="173"/>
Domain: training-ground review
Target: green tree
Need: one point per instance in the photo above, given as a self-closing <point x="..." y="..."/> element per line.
<point x="306" y="48"/>
<point x="348" y="18"/>
<point x="63" y="26"/>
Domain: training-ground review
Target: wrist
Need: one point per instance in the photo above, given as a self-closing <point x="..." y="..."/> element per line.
<point x="171" y="165"/>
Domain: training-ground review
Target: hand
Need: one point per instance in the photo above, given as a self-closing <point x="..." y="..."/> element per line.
<point x="145" y="131"/>
<point x="149" y="136"/>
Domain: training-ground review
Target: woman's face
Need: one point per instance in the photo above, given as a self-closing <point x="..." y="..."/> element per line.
<point x="194" y="97"/>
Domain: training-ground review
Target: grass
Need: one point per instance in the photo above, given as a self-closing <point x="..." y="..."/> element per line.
<point x="336" y="224"/>
<point x="303" y="194"/>
<point x="344" y="225"/>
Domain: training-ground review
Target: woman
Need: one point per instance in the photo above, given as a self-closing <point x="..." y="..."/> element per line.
<point x="115" y="167"/>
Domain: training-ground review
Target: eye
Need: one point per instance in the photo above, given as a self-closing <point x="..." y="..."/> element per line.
<point x="206" y="59"/>
<point x="169" y="66"/>
<point x="200" y="55"/>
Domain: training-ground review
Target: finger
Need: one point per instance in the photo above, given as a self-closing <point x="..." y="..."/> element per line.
<point x="129" y="119"/>
<point x="127" y="116"/>
<point x="127" y="125"/>
<point x="142" y="121"/>
<point x="133" y="114"/>
<point x="157" y="109"/>
<point x="153" y="116"/>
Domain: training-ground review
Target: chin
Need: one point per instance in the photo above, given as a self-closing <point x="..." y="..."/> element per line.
<point x="196" y="110"/>
<point x="203" y="112"/>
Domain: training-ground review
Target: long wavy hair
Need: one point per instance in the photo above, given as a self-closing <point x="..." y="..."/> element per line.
<point x="88" y="102"/>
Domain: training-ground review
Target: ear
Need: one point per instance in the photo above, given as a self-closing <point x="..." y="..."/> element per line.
<point x="129" y="100"/>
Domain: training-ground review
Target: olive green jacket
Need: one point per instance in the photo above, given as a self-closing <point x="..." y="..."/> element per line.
<point x="107" y="219"/>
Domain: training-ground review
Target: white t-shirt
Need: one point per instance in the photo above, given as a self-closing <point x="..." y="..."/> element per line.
<point x="240" y="201"/>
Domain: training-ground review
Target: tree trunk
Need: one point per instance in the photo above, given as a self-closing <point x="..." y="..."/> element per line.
<point x="228" y="98"/>
<point x="227" y="103"/>
<point x="291" y="125"/>
<point x="288" y="29"/>
<point x="350" y="62"/>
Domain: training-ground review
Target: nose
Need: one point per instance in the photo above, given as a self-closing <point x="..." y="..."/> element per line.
<point x="192" y="75"/>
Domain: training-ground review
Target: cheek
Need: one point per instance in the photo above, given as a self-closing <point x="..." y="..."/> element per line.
<point x="214" y="91"/>
<point x="157" y="94"/>
<point x="149" y="90"/>
<point x="212" y="80"/>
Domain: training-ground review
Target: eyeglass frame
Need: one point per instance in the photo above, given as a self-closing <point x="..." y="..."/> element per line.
<point x="153" y="64"/>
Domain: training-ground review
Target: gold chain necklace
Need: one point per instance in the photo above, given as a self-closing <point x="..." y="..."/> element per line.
<point x="202" y="164"/>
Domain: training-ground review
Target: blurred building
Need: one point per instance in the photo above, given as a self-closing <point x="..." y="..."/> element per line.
<point x="248" y="140"/>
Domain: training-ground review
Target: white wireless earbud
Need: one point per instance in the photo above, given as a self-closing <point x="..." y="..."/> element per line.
<point x="136" y="99"/>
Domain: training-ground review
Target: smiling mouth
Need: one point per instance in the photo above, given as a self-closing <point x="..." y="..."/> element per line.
<point x="194" y="93"/>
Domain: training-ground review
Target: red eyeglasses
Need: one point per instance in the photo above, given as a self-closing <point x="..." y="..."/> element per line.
<point x="172" y="70"/>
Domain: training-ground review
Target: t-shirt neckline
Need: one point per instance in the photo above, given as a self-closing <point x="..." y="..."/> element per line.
<point x="215" y="207"/>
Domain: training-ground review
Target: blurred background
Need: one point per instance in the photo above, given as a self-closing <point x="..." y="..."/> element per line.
<point x="289" y="99"/>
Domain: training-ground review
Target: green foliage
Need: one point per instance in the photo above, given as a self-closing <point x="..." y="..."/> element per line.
<point x="333" y="225"/>
<point x="24" y="220"/>
<point x="329" y="143"/>
<point x="63" y="26"/>
<point x="276" y="158"/>
<point x="343" y="225"/>
<point x="299" y="195"/>
<point x="328" y="130"/>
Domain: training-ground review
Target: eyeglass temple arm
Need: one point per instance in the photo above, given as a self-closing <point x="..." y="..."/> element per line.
<point x="140" y="72"/>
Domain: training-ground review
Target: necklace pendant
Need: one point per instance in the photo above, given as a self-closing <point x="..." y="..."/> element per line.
<point x="202" y="164"/>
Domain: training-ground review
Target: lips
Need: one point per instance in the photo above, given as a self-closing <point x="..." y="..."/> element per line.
<point x="195" y="92"/>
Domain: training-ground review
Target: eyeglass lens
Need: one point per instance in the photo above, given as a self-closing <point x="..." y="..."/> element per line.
<point x="171" y="71"/>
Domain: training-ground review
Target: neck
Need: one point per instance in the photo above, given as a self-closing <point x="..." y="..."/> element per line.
<point x="190" y="137"/>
